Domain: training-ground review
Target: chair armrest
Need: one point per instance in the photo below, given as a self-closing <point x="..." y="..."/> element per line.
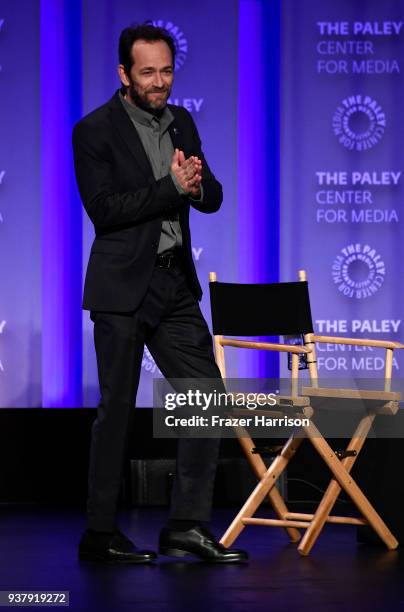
<point x="265" y="346"/>
<point x="359" y="342"/>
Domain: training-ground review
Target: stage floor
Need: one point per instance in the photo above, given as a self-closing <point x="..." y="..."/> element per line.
<point x="38" y="551"/>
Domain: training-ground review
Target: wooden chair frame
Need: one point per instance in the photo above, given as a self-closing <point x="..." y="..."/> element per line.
<point x="383" y="402"/>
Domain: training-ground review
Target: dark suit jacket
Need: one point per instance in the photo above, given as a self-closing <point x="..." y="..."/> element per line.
<point x="127" y="205"/>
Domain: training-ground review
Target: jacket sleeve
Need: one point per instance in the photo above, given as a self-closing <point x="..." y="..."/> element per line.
<point x="104" y="205"/>
<point x="212" y="189"/>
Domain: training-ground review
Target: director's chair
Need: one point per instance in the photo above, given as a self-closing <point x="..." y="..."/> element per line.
<point x="283" y="309"/>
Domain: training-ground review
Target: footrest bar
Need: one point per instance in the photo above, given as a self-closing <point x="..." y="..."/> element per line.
<point x="274" y="522"/>
<point x="345" y="520"/>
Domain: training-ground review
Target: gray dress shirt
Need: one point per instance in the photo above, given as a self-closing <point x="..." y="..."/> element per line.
<point x="155" y="138"/>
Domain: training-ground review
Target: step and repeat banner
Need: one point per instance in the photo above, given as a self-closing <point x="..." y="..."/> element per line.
<point x="341" y="138"/>
<point x="205" y="83"/>
<point x="20" y="210"/>
<point x="342" y="133"/>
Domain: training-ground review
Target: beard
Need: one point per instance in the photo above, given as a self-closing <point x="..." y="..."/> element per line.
<point x="141" y="98"/>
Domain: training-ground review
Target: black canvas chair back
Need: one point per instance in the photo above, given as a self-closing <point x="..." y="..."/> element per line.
<point x="271" y="309"/>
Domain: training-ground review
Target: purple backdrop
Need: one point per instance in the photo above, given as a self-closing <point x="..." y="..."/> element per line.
<point x="341" y="179"/>
<point x="20" y="211"/>
<point x="340" y="149"/>
<point x="206" y="84"/>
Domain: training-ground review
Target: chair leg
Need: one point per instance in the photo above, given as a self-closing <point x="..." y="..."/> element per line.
<point x="320" y="517"/>
<point x="259" y="468"/>
<point x="344" y="481"/>
<point x="262" y="489"/>
<point x="333" y="489"/>
<point x="281" y="510"/>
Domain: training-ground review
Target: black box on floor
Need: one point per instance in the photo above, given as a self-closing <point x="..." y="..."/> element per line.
<point x="152" y="481"/>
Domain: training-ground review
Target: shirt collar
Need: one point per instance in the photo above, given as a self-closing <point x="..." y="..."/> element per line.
<point x="139" y="115"/>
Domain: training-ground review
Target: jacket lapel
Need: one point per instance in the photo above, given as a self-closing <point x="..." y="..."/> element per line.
<point x="177" y="138"/>
<point x="129" y="135"/>
<point x="175" y="135"/>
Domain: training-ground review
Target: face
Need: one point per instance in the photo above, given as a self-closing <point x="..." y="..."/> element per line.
<point x="151" y="76"/>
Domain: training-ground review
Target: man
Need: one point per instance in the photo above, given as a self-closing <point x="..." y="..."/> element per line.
<point x="139" y="167"/>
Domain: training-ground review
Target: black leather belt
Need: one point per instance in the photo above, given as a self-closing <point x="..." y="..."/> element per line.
<point x="168" y="260"/>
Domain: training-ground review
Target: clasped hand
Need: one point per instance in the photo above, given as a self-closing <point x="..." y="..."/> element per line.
<point x="188" y="172"/>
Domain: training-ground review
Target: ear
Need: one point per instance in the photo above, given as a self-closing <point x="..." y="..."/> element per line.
<point x="123" y="76"/>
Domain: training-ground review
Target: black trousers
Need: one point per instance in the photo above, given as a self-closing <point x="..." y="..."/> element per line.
<point x="170" y="323"/>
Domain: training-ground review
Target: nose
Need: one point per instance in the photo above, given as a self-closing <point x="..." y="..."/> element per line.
<point x="158" y="80"/>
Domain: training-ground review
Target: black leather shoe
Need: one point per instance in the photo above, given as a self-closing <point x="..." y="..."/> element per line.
<point x="199" y="542"/>
<point x="111" y="548"/>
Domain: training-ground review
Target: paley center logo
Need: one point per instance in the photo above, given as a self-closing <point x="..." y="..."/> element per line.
<point x="148" y="363"/>
<point x="358" y="271"/>
<point x="359" y="122"/>
<point x="181" y="43"/>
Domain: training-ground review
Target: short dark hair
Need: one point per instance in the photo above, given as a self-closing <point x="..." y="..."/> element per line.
<point x="146" y="31"/>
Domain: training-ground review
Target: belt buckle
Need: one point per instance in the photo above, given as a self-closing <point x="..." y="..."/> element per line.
<point x="167" y="261"/>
